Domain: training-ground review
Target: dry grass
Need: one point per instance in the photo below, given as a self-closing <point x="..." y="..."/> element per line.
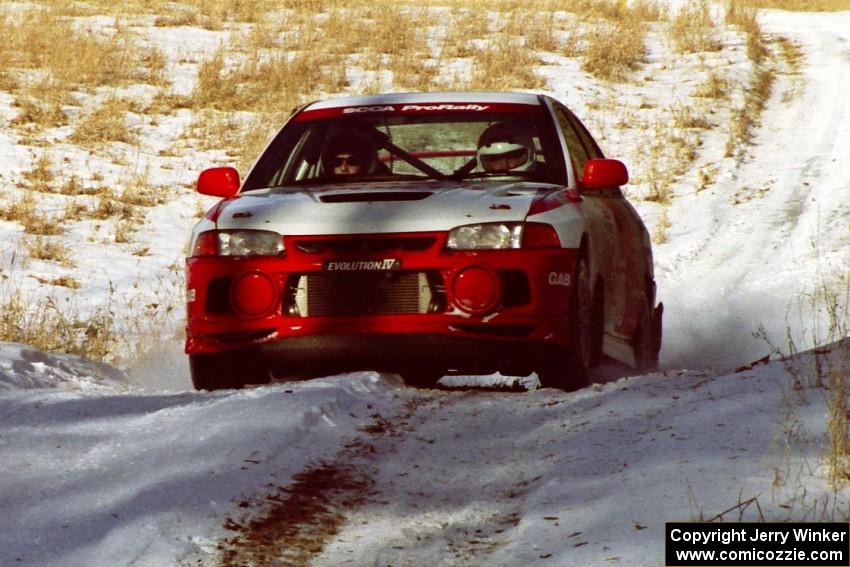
<point x="73" y="185"/>
<point x="462" y="27"/>
<point x="793" y="54"/>
<point x="838" y="426"/>
<point x="504" y="65"/>
<point x="647" y="10"/>
<point x="715" y="87"/>
<point x="61" y="281"/>
<point x="41" y="39"/>
<point x="74" y="211"/>
<point x="107" y="124"/>
<point x="659" y="234"/>
<point x="36" y="114"/>
<point x="183" y="16"/>
<point x="48" y="327"/>
<point x="138" y="191"/>
<point x="278" y="83"/>
<point x="214" y="129"/>
<point x="705" y="177"/>
<point x="108" y="332"/>
<point x="25" y="212"/>
<point x="693" y="30"/>
<point x="124" y="229"/>
<point x="687" y="117"/>
<point x="209" y="14"/>
<point x="659" y="181"/>
<point x="748" y="118"/>
<point x="42" y="248"/>
<point x="672" y="142"/>
<point x="242" y="136"/>
<point x="800" y="5"/>
<point x="836" y="302"/>
<point x="539" y="30"/>
<point x="107" y="207"/>
<point x="614" y="50"/>
<point x="165" y="102"/>
<point x="41" y="177"/>
<point x="746" y="19"/>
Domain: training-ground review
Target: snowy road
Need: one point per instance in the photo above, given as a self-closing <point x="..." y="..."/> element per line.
<point x="752" y="247"/>
<point x="465" y="477"/>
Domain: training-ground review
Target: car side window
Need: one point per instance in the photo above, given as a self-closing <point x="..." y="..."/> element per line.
<point x="590" y="145"/>
<point x="578" y="153"/>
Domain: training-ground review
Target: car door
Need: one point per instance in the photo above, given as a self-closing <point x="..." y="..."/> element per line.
<point x="617" y="239"/>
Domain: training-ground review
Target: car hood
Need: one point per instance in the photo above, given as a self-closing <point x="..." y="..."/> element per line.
<point x="368" y="208"/>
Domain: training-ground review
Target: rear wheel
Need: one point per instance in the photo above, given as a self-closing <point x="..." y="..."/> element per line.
<point x="221" y="371"/>
<point x="646" y="342"/>
<point x="572" y="369"/>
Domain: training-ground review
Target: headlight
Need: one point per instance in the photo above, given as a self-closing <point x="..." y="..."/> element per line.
<point x="249" y="243"/>
<point x="238" y="243"/>
<point x="503" y="236"/>
<point x="490" y="236"/>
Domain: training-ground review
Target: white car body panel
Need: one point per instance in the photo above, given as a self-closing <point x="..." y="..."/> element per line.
<point x="303" y="213"/>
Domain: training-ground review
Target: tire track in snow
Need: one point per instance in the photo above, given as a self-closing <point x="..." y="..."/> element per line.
<point x="751" y="262"/>
<point x="451" y="489"/>
<point x="290" y="525"/>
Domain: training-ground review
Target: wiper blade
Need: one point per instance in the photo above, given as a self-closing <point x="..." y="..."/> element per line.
<point x="356" y="179"/>
<point x="489" y="174"/>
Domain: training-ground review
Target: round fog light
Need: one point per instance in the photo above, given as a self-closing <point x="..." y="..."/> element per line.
<point x="253" y="295"/>
<point x="476" y="290"/>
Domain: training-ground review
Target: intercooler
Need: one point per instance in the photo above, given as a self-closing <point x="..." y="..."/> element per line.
<point x="363" y="293"/>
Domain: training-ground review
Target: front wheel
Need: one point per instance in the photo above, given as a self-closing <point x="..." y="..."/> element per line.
<point x="223" y="371"/>
<point x="572" y="369"/>
<point x="422" y="378"/>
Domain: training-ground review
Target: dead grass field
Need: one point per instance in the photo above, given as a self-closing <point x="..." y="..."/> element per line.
<point x="799" y="5"/>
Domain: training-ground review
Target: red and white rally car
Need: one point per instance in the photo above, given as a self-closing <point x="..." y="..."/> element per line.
<point x="424" y="234"/>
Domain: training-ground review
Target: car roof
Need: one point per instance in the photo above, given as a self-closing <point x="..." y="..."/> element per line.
<point x="418" y="98"/>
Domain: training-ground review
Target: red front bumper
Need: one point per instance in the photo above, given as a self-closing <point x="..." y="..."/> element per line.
<point x="537" y="314"/>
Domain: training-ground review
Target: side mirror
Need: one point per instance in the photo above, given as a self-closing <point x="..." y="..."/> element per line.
<point x="602" y="173"/>
<point x="219" y="182"/>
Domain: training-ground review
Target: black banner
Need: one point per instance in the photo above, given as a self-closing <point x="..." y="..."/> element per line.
<point x="746" y="544"/>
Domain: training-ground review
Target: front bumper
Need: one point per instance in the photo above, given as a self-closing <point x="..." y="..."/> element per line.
<point x="528" y="316"/>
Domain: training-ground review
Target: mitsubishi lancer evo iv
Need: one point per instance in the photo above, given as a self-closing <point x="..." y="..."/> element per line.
<point x="425" y="235"/>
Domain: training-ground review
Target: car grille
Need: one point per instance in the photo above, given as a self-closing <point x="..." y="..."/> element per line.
<point x="363" y="293"/>
<point x="365" y="245"/>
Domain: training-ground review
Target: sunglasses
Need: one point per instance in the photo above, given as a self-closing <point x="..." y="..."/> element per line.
<point x="351" y="160"/>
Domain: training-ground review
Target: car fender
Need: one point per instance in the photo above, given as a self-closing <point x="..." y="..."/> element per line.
<point x="567" y="220"/>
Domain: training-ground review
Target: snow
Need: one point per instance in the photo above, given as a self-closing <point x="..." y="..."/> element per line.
<point x="110" y="467"/>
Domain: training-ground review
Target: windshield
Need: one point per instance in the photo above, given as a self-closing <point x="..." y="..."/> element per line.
<point x="404" y="142"/>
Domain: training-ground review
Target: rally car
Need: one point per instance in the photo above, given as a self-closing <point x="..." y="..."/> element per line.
<point x="423" y="234"/>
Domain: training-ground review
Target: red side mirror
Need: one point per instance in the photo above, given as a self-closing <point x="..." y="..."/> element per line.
<point x="602" y="173"/>
<point x="219" y="182"/>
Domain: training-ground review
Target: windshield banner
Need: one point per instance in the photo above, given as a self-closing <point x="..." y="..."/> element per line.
<point x="415" y="108"/>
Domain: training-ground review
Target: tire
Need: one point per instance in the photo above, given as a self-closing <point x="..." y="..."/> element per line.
<point x="573" y="369"/>
<point x="422" y="378"/>
<point x="224" y="371"/>
<point x="646" y="342"/>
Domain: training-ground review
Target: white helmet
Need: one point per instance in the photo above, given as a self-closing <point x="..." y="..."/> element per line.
<point x="506" y="146"/>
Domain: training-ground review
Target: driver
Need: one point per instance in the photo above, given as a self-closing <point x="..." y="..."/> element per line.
<point x="346" y="157"/>
<point x="351" y="154"/>
<point x="506" y="147"/>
